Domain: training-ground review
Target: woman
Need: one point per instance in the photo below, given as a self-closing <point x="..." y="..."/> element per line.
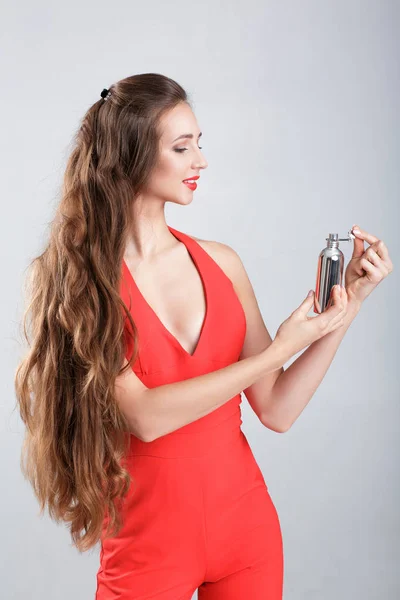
<point x="143" y="339"/>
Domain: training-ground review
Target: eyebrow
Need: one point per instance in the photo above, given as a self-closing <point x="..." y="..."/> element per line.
<point x="187" y="136"/>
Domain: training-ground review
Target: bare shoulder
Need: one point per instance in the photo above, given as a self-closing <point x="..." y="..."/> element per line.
<point x="230" y="262"/>
<point x="224" y="255"/>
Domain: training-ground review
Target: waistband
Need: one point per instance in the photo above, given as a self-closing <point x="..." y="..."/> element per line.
<point x="219" y="429"/>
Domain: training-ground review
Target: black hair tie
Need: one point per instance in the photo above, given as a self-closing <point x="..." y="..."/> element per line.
<point x="105" y="94"/>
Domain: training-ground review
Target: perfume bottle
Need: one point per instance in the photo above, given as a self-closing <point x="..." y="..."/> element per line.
<point x="329" y="271"/>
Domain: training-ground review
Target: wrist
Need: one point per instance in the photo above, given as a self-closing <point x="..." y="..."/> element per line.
<point x="353" y="307"/>
<point x="280" y="352"/>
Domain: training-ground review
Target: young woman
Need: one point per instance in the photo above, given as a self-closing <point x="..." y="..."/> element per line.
<point x="143" y="338"/>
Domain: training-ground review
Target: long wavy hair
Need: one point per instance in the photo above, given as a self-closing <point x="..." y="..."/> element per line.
<point x="75" y="322"/>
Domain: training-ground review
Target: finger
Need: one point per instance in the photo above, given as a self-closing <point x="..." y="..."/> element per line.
<point x="358" y="247"/>
<point x="374" y="258"/>
<point x="334" y="308"/>
<point x="373" y="274"/>
<point x="338" y="308"/>
<point x="364" y="235"/>
<point x="342" y="300"/>
<point x="382" y="251"/>
<point x="336" y="294"/>
<point x="343" y="297"/>
<point x="317" y="306"/>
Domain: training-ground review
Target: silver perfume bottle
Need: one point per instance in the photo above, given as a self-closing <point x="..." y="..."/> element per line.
<point x="329" y="271"/>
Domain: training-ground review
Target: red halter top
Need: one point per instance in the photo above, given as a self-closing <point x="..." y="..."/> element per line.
<point x="162" y="359"/>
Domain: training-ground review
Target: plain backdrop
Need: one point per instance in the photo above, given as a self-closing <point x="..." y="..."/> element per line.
<point x="299" y="107"/>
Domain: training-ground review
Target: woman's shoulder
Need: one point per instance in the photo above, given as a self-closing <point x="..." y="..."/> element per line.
<point x="223" y="254"/>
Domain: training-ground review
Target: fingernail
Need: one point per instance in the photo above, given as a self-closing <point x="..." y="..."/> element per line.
<point x="310" y="293"/>
<point x="356" y="230"/>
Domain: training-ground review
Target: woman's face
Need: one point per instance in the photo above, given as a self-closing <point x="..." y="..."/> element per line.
<point x="179" y="159"/>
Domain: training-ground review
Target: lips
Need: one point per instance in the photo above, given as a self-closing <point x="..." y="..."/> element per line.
<point x="191" y="182"/>
<point x="192" y="186"/>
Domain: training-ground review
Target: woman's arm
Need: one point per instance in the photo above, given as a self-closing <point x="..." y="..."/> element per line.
<point x="153" y="412"/>
<point x="295" y="387"/>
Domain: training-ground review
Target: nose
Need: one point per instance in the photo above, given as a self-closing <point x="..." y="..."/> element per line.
<point x="202" y="163"/>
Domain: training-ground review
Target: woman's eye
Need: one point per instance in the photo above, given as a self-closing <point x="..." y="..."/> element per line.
<point x="183" y="149"/>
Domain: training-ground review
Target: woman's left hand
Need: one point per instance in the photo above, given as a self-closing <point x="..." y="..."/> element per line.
<point x="366" y="268"/>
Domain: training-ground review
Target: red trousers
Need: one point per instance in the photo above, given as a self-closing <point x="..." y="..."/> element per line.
<point x="198" y="515"/>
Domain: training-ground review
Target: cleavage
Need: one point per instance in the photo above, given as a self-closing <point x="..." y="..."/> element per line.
<point x="173" y="289"/>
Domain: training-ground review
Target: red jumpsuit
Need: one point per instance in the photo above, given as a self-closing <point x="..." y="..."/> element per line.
<point x="198" y="514"/>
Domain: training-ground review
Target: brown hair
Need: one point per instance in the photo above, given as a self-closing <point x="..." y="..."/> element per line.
<point x="75" y="435"/>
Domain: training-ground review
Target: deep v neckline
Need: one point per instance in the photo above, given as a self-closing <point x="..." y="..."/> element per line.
<point x="186" y="242"/>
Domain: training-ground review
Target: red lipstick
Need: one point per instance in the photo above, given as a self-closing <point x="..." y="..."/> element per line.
<point x="192" y="186"/>
<point x="188" y="181"/>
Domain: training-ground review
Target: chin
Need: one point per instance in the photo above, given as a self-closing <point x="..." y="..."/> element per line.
<point x="185" y="198"/>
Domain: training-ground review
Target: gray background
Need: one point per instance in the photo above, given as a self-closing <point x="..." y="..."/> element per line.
<point x="298" y="102"/>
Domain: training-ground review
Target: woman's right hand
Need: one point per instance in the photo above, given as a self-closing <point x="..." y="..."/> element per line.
<point x="299" y="331"/>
